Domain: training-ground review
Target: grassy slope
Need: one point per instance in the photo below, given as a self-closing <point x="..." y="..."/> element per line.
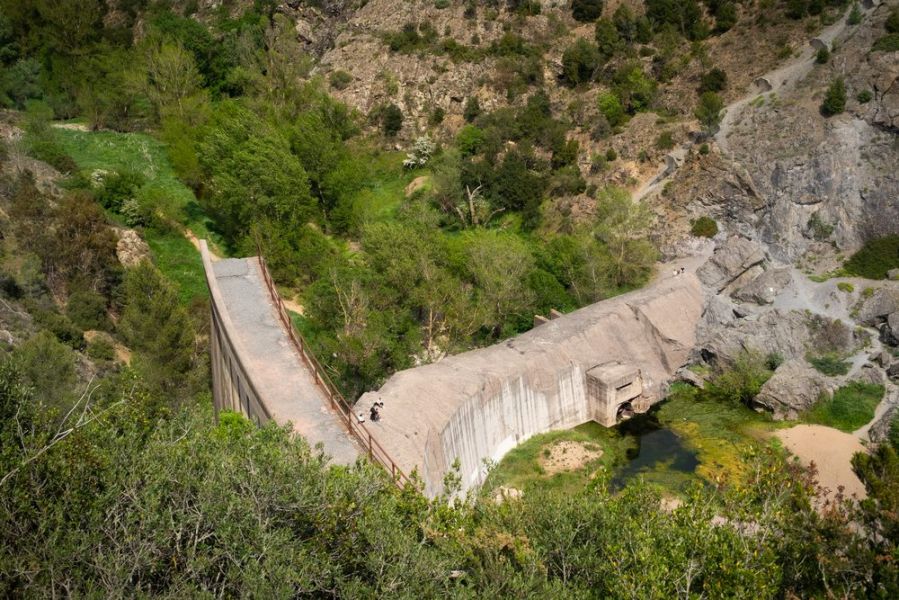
<point x="137" y="152"/>
<point x="850" y="407"/>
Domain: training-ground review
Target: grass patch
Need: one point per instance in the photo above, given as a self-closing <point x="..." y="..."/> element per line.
<point x="521" y="469"/>
<point x="139" y="153"/>
<point x="829" y="364"/>
<point x="850" y="407"/>
<point x="386" y="187"/>
<point x="875" y="258"/>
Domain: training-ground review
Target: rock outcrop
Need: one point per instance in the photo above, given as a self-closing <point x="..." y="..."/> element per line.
<point x="794" y="388"/>
<point x="764" y="288"/>
<point x="730" y="262"/>
<point x="131" y="249"/>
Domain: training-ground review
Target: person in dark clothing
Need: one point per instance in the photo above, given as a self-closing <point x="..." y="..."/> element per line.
<point x="375" y="413"/>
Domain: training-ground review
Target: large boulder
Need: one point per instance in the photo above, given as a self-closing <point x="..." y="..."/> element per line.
<point x="729" y="261"/>
<point x="876" y="308"/>
<point x="773" y="332"/>
<point x="794" y="388"/>
<point x="764" y="288"/>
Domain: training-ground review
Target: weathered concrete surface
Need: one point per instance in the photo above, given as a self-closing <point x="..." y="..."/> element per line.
<point x="255" y="369"/>
<point x="481" y="404"/>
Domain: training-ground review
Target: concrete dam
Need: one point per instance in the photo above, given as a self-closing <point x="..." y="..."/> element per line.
<point x="615" y="356"/>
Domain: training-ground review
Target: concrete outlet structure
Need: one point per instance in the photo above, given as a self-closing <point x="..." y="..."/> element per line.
<point x="610" y="387"/>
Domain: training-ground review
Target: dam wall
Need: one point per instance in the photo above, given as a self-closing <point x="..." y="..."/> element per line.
<point x="586" y="365"/>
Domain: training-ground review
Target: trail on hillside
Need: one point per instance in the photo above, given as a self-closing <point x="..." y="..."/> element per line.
<point x="782" y="79"/>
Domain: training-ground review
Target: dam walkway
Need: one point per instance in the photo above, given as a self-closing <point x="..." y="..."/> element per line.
<point x="261" y="366"/>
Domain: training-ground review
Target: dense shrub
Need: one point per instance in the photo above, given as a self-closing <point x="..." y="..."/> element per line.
<point x="118" y="187"/>
<point x="665" y="141"/>
<point x="579" y="61"/>
<point x="892" y="21"/>
<point x="472" y="109"/>
<point x="391" y="120"/>
<point x="864" y="96"/>
<point x="611" y="108"/>
<point x="822" y="56"/>
<point x="709" y="111"/>
<point x="713" y="80"/>
<point x="339" y="80"/>
<point x="855" y="15"/>
<point x="88" y="310"/>
<point x="835" y="98"/>
<point x="586" y="10"/>
<point x="887" y="43"/>
<point x="875" y="258"/>
<point x="830" y="363"/>
<point x="704" y="226"/>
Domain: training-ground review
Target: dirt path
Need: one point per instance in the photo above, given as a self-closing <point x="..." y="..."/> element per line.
<point x="782" y="79"/>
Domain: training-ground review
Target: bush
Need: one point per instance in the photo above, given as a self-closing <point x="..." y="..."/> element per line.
<point x="892" y="22"/>
<point x="830" y="364"/>
<point x="579" y="61"/>
<point x="855" y="15"/>
<point x="845" y="286"/>
<point x="822" y="56"/>
<point x="88" y="310"/>
<point x="391" y="120"/>
<point x="850" y="407"/>
<point x="586" y="11"/>
<point x="469" y="140"/>
<point x="887" y="43"/>
<point x="709" y="111"/>
<point x="665" y="141"/>
<point x="101" y="349"/>
<point x="835" y="99"/>
<point x="864" y="96"/>
<point x="714" y="80"/>
<point x="742" y="381"/>
<point x="704" y="149"/>
<point x="339" y="80"/>
<point x="51" y="152"/>
<point x="437" y="116"/>
<point x="472" y="109"/>
<point x="704" y="226"/>
<point x="60" y="326"/>
<point x="611" y="108"/>
<point x="611" y="155"/>
<point x="117" y="188"/>
<point x="875" y="258"/>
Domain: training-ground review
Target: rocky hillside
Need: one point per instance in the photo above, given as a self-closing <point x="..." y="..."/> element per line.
<point x="812" y="187"/>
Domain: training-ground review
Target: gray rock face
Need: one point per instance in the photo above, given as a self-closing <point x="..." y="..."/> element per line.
<point x="879" y="306"/>
<point x="881" y="428"/>
<point x="776" y="331"/>
<point x="794" y="387"/>
<point x="730" y="260"/>
<point x="764" y="288"/>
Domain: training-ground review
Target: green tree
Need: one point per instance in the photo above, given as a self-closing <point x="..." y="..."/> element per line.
<point x="392" y="120"/>
<point x="610" y="106"/>
<point x="608" y="38"/>
<point x="579" y="61"/>
<point x="623" y="226"/>
<point x="154" y="324"/>
<point x="47" y="366"/>
<point x="709" y="112"/>
<point x="173" y="81"/>
<point x="835" y="98"/>
<point x="635" y="89"/>
<point x="252" y="175"/>
<point x="586" y="10"/>
<point x="472" y="109"/>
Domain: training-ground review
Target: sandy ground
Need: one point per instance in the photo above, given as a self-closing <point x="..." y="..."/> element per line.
<point x="566" y="455"/>
<point x="831" y="450"/>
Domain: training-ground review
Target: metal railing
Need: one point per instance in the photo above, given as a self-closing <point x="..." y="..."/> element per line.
<point x="375" y="451"/>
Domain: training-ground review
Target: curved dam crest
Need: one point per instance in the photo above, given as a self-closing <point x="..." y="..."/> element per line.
<point x="578" y="367"/>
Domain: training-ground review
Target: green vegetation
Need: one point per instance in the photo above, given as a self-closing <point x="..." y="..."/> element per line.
<point x="709" y="112"/>
<point x="855" y="15"/>
<point x="115" y="479"/>
<point x="586" y="10"/>
<point x="523" y="468"/>
<point x="864" y="96"/>
<point x="887" y="43"/>
<point x="829" y="363"/>
<point x="850" y="407"/>
<point x="822" y="56"/>
<point x="704" y="226"/>
<point x="875" y="258"/>
<point x="845" y="286"/>
<point x="835" y="98"/>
